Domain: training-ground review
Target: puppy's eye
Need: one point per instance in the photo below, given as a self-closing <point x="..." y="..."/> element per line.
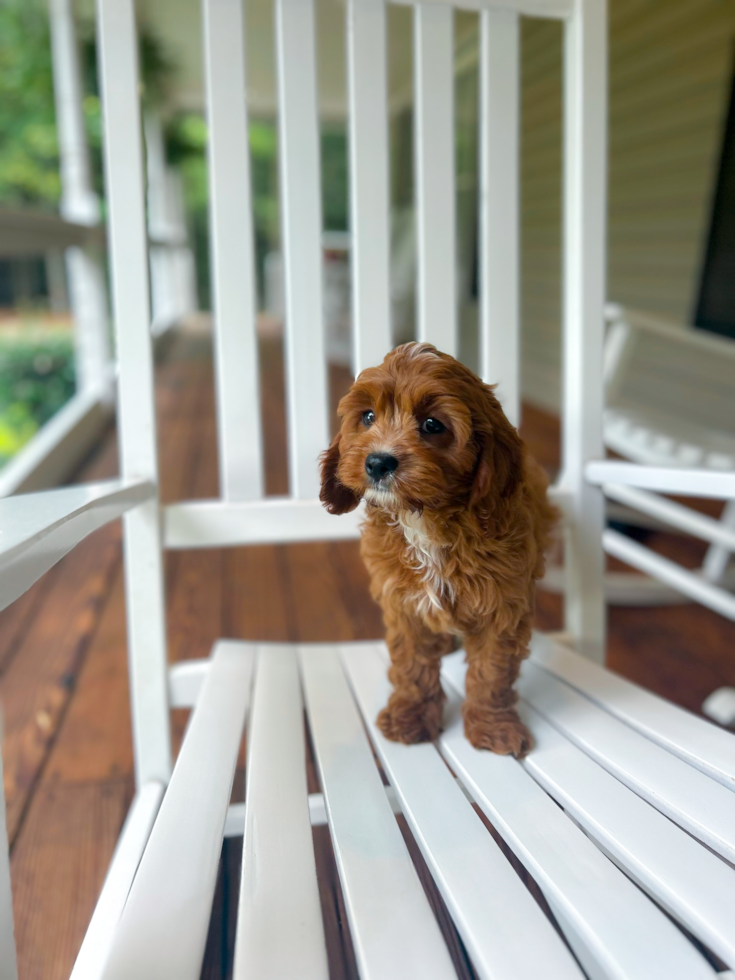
<point x="368" y="417"/>
<point x="432" y="427"/>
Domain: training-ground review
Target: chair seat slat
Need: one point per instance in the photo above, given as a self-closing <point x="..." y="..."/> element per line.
<point x="279" y="923"/>
<point x="394" y="932"/>
<point x="163" y="928"/>
<point x="699" y="742"/>
<point x="687" y="796"/>
<point x="614" y="929"/>
<point x="116" y="888"/>
<point x="507" y="935"/>
<point x="691" y="883"/>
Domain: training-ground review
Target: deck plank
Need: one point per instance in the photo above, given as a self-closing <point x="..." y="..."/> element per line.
<point x="312" y="578"/>
<point x="256" y="594"/>
<point x="58" y="867"/>
<point x="38" y="685"/>
<point x="17" y="618"/>
<point x="94" y="743"/>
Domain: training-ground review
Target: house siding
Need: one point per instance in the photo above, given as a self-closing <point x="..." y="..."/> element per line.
<point x="671" y="66"/>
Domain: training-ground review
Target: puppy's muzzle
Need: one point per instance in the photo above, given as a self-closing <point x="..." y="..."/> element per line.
<point x="380" y="465"/>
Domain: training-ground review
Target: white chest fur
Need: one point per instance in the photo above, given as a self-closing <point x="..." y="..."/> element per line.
<point x="427" y="558"/>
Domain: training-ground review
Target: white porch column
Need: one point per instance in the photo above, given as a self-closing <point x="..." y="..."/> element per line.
<point x="79" y="203"/>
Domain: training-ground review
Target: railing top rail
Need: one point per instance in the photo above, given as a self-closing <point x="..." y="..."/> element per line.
<point x="28" y="232"/>
<point x="554" y="9"/>
<point x="688" y="481"/>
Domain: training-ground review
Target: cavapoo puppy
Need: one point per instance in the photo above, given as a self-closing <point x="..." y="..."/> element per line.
<point x="456" y="527"/>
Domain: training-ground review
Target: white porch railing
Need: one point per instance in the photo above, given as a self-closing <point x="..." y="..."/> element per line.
<point x="57" y="449"/>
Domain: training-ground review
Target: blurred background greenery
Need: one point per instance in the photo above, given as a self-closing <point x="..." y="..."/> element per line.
<point x="36" y="365"/>
<point x="36" y="379"/>
<point x="36" y="344"/>
<point x="29" y="164"/>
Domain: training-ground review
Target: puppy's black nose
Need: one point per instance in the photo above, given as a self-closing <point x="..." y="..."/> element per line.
<point x="378" y="465"/>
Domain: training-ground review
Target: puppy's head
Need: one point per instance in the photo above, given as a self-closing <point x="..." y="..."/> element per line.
<point x="420" y="431"/>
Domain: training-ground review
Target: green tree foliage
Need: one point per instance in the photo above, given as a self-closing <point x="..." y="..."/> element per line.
<point x="29" y="165"/>
<point x="37" y="370"/>
<point x="186" y="146"/>
<point x="29" y="152"/>
<point x="157" y="72"/>
<point x="334" y="176"/>
<point x="186" y="142"/>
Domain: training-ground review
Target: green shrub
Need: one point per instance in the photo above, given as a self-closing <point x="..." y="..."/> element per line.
<point x="36" y="379"/>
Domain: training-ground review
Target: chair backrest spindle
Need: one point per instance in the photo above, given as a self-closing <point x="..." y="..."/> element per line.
<point x="436" y="231"/>
<point x="237" y="518"/>
<point x="301" y="222"/>
<point x="499" y="206"/>
<point x="433" y="26"/>
<point x="233" y="260"/>
<point x="369" y="202"/>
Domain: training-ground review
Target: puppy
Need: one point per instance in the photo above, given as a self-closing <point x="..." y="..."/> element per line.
<point x="454" y="538"/>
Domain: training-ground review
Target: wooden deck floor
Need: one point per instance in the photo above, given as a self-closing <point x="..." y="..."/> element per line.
<point x="63" y="675"/>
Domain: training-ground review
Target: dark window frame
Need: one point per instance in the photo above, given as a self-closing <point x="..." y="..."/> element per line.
<point x="715" y="306"/>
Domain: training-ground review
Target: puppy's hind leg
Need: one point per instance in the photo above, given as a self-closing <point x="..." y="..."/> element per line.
<point x="490" y="718"/>
<point x="414" y="709"/>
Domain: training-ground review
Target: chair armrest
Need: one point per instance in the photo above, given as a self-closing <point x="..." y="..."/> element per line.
<point x="687" y="481"/>
<point x="37" y="529"/>
<point x="700" y="340"/>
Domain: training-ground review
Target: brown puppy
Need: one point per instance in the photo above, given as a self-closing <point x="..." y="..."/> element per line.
<point x="457" y="524"/>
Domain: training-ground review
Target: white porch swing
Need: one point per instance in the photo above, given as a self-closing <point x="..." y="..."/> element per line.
<point x="625" y="811"/>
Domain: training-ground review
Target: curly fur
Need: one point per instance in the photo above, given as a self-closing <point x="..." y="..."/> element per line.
<point x="453" y="540"/>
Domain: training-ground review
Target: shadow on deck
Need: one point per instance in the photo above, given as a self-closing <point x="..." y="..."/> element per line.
<point x="63" y="672"/>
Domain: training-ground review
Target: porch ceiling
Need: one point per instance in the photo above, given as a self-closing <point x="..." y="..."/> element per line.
<point x="178" y="23"/>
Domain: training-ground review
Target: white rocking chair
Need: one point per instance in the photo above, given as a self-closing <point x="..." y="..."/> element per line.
<point x="624" y="813"/>
<point x="689" y="423"/>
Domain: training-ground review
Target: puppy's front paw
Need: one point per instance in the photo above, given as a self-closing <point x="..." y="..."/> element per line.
<point x="501" y="732"/>
<point x="408" y="721"/>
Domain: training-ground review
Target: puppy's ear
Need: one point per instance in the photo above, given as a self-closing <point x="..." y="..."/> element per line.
<point x="500" y="465"/>
<point x="336" y="497"/>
